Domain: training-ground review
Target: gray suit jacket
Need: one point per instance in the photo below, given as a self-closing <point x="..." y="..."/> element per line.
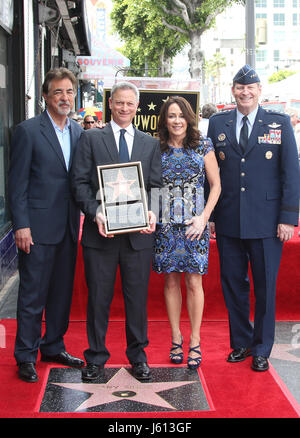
<point x="98" y="147"/>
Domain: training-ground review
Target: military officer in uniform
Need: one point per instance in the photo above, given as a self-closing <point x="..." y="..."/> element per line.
<point x="256" y="212"/>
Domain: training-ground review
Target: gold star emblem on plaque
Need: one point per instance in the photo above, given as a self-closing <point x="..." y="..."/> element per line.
<point x="151" y="106"/>
<point x="121" y="186"/>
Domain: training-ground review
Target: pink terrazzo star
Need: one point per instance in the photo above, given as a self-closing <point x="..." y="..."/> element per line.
<point x="124" y="386"/>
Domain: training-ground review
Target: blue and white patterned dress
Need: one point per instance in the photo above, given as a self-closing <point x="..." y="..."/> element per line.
<point x="182" y="197"/>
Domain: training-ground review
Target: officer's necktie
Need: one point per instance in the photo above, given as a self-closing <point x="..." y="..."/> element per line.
<point x="244" y="135"/>
<point x="123" y="148"/>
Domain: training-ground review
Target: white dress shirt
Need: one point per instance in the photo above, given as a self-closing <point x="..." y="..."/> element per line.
<point x="239" y="122"/>
<point x="129" y="135"/>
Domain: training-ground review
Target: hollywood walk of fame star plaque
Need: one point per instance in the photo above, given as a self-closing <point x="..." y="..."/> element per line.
<point x="170" y="389"/>
<point x="123" y="197"/>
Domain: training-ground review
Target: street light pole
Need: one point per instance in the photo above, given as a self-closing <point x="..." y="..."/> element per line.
<point x="250" y="32"/>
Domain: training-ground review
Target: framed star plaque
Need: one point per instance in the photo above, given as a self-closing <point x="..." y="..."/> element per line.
<point x="123" y="197"/>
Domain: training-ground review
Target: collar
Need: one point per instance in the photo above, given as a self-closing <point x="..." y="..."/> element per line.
<point x="67" y="125"/>
<point x="251" y="117"/>
<point x="116" y="128"/>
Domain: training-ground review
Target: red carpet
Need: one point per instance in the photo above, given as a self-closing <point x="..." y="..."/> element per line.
<point x="232" y="390"/>
<point x="288" y="289"/>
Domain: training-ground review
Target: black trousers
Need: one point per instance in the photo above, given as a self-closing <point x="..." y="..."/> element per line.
<point x="46" y="285"/>
<point x="264" y="257"/>
<point x="100" y="271"/>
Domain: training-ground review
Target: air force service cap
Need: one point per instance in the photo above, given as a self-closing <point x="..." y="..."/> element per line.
<point x="246" y="75"/>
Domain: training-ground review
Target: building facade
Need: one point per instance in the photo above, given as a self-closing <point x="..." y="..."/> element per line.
<point x="277" y="26"/>
<point x="281" y="50"/>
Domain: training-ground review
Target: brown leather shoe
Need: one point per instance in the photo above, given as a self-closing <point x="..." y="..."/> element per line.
<point x="238" y="355"/>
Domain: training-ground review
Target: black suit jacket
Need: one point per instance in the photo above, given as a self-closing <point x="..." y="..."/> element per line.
<point x="39" y="183"/>
<point x="98" y="147"/>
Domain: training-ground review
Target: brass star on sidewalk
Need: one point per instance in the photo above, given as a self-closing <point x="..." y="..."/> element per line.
<point x="124" y="386"/>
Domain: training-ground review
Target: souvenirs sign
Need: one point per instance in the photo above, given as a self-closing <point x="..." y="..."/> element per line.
<point x="123" y="197"/>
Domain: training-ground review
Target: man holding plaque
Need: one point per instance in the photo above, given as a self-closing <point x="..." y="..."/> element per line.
<point x="118" y="142"/>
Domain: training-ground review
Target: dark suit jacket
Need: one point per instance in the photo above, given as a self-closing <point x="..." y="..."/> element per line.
<point x="39" y="184"/>
<point x="260" y="188"/>
<point x="98" y="147"/>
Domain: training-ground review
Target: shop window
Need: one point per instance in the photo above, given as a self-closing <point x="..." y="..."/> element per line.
<point x="4" y="130"/>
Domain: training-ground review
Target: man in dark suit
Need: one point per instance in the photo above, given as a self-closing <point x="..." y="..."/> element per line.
<point x="256" y="212"/>
<point x="132" y="252"/>
<point x="46" y="224"/>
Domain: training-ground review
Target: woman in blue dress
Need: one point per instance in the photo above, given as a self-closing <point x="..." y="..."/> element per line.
<point x="182" y="234"/>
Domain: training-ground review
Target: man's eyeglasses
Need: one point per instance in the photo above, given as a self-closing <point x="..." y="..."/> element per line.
<point x="90" y="123"/>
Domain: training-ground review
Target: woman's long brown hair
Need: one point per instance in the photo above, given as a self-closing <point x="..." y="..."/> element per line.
<point x="193" y="135"/>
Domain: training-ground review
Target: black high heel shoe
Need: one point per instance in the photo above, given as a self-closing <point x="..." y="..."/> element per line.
<point x="196" y="360"/>
<point x="176" y="357"/>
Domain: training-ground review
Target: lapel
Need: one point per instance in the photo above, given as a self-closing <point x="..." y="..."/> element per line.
<point x="74" y="137"/>
<point x="49" y="134"/>
<point x="111" y="147"/>
<point x="137" y="147"/>
<point x="110" y="143"/>
<point x="258" y="123"/>
<point x="230" y="131"/>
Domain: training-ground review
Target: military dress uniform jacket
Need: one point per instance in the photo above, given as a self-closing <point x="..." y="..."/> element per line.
<point x="260" y="188"/>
